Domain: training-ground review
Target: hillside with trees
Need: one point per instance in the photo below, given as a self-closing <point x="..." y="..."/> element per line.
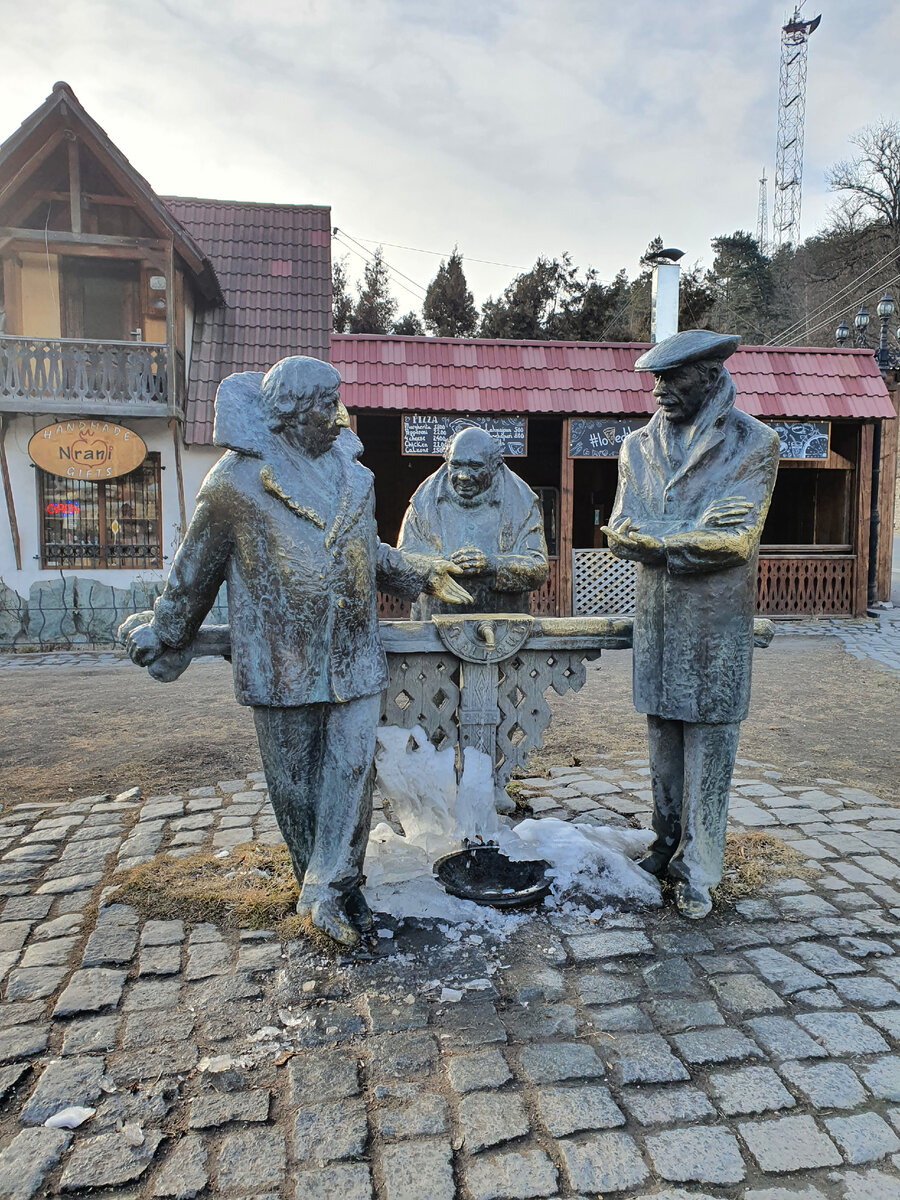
<point x="797" y="295"/>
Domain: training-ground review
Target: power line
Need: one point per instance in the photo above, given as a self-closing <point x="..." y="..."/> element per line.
<point x="871" y="292"/>
<point x="340" y="233"/>
<point x="489" y="262"/>
<point x="367" y="258"/>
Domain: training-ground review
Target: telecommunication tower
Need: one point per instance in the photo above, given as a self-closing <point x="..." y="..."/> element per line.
<point x="791" y="116"/>
<point x="762" y="217"/>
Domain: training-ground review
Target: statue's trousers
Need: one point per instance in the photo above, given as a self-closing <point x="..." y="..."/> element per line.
<point x="318" y="760"/>
<point x="690" y="775"/>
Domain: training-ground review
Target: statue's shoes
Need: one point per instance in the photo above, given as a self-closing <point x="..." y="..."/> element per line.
<point x="330" y="917"/>
<point x="654" y="864"/>
<point x="358" y="911"/>
<point x="692" y="902"/>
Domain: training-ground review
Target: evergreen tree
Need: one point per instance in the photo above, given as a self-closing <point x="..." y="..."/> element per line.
<point x="409" y="325"/>
<point x="449" y="309"/>
<point x="341" y="300"/>
<point x="745" y="288"/>
<point x="375" y="306"/>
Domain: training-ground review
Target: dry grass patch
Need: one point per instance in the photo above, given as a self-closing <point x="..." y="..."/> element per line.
<point x="253" y="888"/>
<point x="754" y="859"/>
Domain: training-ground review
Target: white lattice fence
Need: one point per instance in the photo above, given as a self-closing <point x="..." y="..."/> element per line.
<point x="602" y="584"/>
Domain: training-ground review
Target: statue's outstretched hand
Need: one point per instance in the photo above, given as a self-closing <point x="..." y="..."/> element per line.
<point x="440" y="583"/>
<point x="143" y="645"/>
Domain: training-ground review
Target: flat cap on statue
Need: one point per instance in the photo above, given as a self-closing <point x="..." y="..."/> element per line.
<point x="690" y="346"/>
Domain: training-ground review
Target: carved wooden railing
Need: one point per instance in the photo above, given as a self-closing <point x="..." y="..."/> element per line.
<point x="806" y="585"/>
<point x="96" y="378"/>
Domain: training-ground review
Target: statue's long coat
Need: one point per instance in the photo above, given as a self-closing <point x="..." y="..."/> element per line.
<point x="693" y="627"/>
<point x="301" y="562"/>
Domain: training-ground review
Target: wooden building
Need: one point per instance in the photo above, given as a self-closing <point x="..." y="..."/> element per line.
<point x="120" y="311"/>
<point x="563" y="409"/>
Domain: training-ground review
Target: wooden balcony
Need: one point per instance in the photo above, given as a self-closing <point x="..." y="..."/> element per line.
<point x="84" y="378"/>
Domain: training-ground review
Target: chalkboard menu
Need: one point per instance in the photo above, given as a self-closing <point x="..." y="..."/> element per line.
<point x="802" y="439"/>
<point x="427" y="434"/>
<point x="599" y="437"/>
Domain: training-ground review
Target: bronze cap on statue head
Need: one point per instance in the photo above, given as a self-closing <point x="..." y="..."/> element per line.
<point x="690" y="346"/>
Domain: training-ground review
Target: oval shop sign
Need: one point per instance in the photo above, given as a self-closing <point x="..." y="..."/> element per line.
<point x="87" y="449"/>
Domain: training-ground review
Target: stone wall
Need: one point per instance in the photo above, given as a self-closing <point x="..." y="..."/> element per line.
<point x="74" y="611"/>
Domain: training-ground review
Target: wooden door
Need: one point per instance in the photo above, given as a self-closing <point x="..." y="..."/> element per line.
<point x="101" y="299"/>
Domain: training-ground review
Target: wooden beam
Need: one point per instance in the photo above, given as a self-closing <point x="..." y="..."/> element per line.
<point x="10" y="499"/>
<point x="69" y="242"/>
<point x="74" y="183"/>
<point x="887" y="499"/>
<point x="566" y="513"/>
<point x="179" y="476"/>
<point x="94" y="198"/>
<point x="31" y="165"/>
<point x="863" y="517"/>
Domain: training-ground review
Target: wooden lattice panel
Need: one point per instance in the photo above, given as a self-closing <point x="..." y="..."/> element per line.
<point x="602" y="584"/>
<point x="423" y="690"/>
<point x="813" y="586"/>
<point x="524" y="713"/>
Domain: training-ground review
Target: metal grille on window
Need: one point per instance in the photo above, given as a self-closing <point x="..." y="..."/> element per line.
<point x="603" y="585"/>
<point x="113" y="524"/>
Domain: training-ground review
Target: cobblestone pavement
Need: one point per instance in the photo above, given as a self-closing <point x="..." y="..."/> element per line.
<point x="878" y="638"/>
<point x="751" y="1057"/>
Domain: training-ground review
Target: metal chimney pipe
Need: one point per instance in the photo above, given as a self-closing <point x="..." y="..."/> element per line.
<point x="664" y="301"/>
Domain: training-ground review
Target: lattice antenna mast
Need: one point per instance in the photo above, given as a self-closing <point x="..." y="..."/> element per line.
<point x="762" y="217"/>
<point x="791" y="117"/>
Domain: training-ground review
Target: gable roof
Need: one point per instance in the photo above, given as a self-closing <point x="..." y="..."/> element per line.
<point x="46" y="127"/>
<point x="421" y="374"/>
<point x="274" y="265"/>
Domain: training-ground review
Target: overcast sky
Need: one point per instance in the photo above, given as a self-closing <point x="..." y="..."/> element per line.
<point x="510" y="128"/>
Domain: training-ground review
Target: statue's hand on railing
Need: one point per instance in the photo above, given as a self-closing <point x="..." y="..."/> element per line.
<point x="139" y="638"/>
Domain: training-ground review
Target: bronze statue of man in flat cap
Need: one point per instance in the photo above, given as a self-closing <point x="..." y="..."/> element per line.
<point x="694" y="489"/>
<point x="487" y="521"/>
<point x="286" y="518"/>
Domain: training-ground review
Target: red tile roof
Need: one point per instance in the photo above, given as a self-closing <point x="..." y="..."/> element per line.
<point x="274" y="264"/>
<point x="419" y="374"/>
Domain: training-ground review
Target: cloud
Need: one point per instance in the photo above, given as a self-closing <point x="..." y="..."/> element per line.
<point x="512" y="129"/>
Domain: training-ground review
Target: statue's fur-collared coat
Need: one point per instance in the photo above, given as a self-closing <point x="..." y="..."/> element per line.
<point x="295" y="541"/>
<point x="693" y="626"/>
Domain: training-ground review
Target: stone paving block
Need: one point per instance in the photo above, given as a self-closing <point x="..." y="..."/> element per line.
<point x="159" y="960"/>
<point x="624" y="1018"/>
<point x="709" y="1154"/>
<point x="211" y="1109"/>
<point x="872" y="991"/>
<point x="402" y="1056"/>
<point x="863" y="1137"/>
<point x="567" y="1110"/>
<point x="593" y="947"/>
<point x="646" y="1058"/>
<point x="741" y="993"/>
<point x="469" y="1024"/>
<point x="412" y="1170"/>
<point x="28" y="1158"/>
<point x="144" y="1029"/>
<point x="554" y="1062"/>
<point x="52" y="953"/>
<point x="604" y="988"/>
<point x="22" y="1041"/>
<point x="33" y="983"/>
<point x="152" y="993"/>
<point x="825" y="1085"/>
<point x="716" y="1046"/>
<point x="539" y="1021"/>
<point x="674" y="1016"/>
<point x="474" y="1072"/>
<point x="184" y="1173"/>
<point x="666" y="1105"/>
<point x="323" y="1075"/>
<point x="162" y="933"/>
<point x="749" y="1090"/>
<point x="110" y="943"/>
<point x="789" y="1144"/>
<point x="150" y="1062"/>
<point x="672" y="977"/>
<point x="14" y="934"/>
<point x="603" y="1163"/>
<point x="868" y="1185"/>
<point x="887" y="1019"/>
<point x="207" y="958"/>
<point x="89" y="990"/>
<point x="10" y="1076"/>
<point x="63" y="1083"/>
<point x="328" y="1132"/>
<point x="809" y="1192"/>
<point x="251" y="1161"/>
<point x="825" y="959"/>
<point x="107" y="1160"/>
<point x="406" y="1111"/>
<point x="780" y="969"/>
<point x="783" y="1038"/>
<point x="389" y="1017"/>
<point x="349" y="1181"/>
<point x="489" y="1118"/>
<point x="882" y="1077"/>
<point x="843" y="1033"/>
